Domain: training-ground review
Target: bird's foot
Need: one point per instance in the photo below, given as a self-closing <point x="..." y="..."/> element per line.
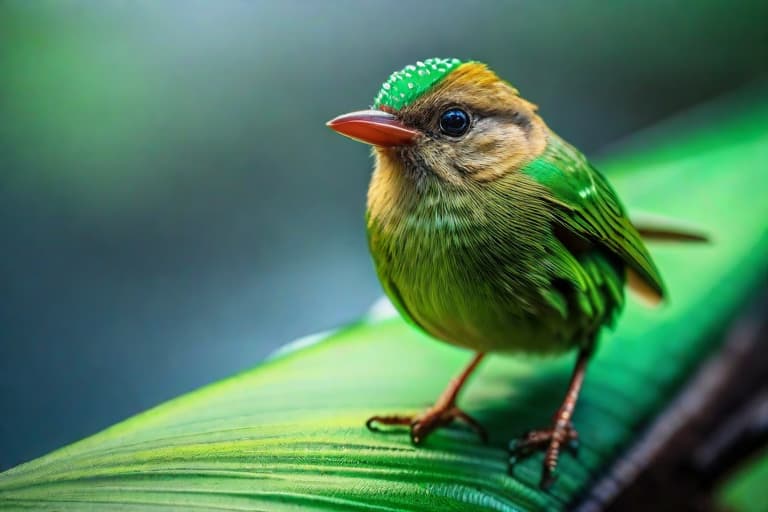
<point x="427" y="422"/>
<point x="548" y="440"/>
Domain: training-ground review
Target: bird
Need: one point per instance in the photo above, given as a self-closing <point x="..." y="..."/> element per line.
<point x="490" y="232"/>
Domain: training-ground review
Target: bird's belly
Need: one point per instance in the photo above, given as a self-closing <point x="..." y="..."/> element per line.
<point x="471" y="295"/>
<point x="481" y="316"/>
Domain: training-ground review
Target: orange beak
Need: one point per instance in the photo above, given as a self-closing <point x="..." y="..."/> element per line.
<point x="374" y="127"/>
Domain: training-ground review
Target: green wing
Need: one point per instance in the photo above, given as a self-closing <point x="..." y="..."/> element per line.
<point x="588" y="207"/>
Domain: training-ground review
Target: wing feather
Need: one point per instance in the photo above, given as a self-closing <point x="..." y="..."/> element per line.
<point x="588" y="207"/>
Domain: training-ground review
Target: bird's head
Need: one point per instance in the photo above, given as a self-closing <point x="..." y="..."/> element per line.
<point x="457" y="121"/>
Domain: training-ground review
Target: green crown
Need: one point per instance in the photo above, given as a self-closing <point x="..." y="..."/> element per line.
<point x="403" y="87"/>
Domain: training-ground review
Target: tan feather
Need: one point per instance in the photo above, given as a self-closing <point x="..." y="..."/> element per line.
<point x="640" y="287"/>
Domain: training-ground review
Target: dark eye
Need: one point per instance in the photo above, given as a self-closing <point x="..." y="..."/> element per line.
<point x="454" y="122"/>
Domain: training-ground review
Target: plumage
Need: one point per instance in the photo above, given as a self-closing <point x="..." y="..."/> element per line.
<point x="521" y="249"/>
<point x="490" y="232"/>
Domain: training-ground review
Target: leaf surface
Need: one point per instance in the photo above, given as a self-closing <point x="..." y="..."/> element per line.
<point x="289" y="434"/>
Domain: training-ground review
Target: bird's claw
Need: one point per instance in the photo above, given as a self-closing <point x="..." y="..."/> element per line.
<point x="430" y="420"/>
<point x="371" y="422"/>
<point x="548" y="479"/>
<point x="544" y="440"/>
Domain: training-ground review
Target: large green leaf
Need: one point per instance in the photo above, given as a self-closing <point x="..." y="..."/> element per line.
<point x="289" y="434"/>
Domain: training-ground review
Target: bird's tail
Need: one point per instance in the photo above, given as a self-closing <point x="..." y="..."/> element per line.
<point x="655" y="228"/>
<point x="664" y="229"/>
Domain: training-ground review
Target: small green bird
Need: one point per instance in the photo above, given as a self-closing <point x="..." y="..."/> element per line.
<point x="490" y="232"/>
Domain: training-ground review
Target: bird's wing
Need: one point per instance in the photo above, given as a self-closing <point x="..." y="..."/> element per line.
<point x="588" y="208"/>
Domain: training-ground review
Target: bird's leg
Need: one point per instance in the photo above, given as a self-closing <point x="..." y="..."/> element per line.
<point x="442" y="413"/>
<point x="562" y="431"/>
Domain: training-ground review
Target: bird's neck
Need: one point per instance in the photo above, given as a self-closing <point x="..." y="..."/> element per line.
<point x="399" y="197"/>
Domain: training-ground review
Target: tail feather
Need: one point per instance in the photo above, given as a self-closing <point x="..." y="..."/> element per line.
<point x="654" y="233"/>
<point x="664" y="229"/>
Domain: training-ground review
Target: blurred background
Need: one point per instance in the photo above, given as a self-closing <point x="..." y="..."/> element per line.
<point x="172" y="207"/>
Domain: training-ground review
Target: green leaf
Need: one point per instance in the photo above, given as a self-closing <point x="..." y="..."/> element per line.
<point x="289" y="434"/>
<point x="746" y="491"/>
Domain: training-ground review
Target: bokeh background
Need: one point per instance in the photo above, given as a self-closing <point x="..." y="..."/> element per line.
<point x="172" y="208"/>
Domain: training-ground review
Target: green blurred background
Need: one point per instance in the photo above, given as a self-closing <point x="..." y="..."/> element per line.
<point x="172" y="207"/>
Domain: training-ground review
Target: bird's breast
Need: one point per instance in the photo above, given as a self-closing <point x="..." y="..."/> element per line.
<point x="462" y="266"/>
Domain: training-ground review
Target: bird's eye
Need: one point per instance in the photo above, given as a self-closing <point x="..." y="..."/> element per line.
<point x="454" y="122"/>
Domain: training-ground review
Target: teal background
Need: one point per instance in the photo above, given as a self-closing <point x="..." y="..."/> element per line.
<point x="172" y="207"/>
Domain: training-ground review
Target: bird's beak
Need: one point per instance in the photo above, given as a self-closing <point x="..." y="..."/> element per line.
<point x="374" y="127"/>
